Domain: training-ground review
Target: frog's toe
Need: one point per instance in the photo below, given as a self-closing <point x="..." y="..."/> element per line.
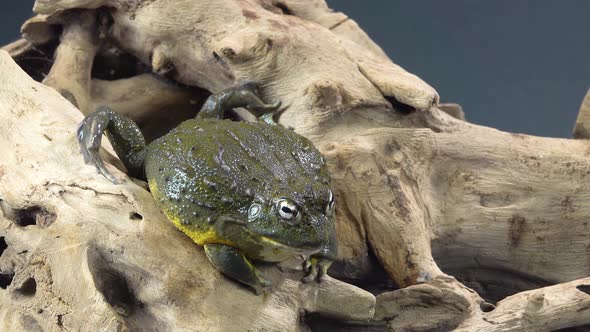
<point x="307" y="265"/>
<point x="324" y="270"/>
<point x="316" y="268"/>
<point x="311" y="275"/>
<point x="263" y="287"/>
<point x="269" y="108"/>
<point x="102" y="169"/>
<point x="89" y="134"/>
<point x="257" y="106"/>
<point x="311" y="267"/>
<point x="82" y="134"/>
<point x="273" y="114"/>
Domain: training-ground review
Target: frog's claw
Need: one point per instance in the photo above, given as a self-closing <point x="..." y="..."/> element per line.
<point x="89" y="135"/>
<point x="264" y="287"/>
<point x="232" y="262"/>
<point x="316" y="268"/>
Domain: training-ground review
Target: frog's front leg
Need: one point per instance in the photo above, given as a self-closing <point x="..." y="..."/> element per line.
<point x="243" y="95"/>
<point x="232" y="262"/>
<point x="124" y="135"/>
<point x="317" y="265"/>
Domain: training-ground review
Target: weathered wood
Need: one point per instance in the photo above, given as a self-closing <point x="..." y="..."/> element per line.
<point x="17" y="47"/>
<point x="454" y="110"/>
<point x="583" y="120"/>
<point x="422" y="191"/>
<point x="544" y="309"/>
<point x="82" y="254"/>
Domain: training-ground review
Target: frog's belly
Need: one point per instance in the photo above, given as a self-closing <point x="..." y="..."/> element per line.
<point x="254" y="246"/>
<point x="200" y="232"/>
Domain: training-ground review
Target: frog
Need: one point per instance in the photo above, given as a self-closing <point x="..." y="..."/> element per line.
<point x="245" y="191"/>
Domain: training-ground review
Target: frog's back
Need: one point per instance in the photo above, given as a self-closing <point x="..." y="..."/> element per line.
<point x="207" y="168"/>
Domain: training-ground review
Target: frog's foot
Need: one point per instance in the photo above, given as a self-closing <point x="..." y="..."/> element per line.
<point x="89" y="135"/>
<point x="243" y="95"/>
<point x="316" y="268"/>
<point x="232" y="262"/>
<point x="125" y="137"/>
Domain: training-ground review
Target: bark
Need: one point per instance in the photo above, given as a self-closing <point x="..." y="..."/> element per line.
<point x="457" y="215"/>
<point x="583" y="120"/>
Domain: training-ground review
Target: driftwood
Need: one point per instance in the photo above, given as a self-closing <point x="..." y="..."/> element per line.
<point x="583" y="120"/>
<point x="419" y="191"/>
<point x="80" y="254"/>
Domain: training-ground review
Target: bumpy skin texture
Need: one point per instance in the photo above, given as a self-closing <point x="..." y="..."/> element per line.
<point x="207" y="169"/>
<point x="243" y="190"/>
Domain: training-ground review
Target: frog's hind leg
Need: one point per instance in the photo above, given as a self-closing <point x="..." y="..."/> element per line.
<point x="232" y="262"/>
<point x="124" y="135"/>
<point x="243" y="95"/>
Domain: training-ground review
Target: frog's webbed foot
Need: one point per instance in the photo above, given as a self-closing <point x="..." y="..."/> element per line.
<point x="258" y="107"/>
<point x="124" y="134"/>
<point x="316" y="268"/>
<point x="232" y="262"/>
<point x="89" y="134"/>
<point x="243" y="95"/>
<point x="246" y="95"/>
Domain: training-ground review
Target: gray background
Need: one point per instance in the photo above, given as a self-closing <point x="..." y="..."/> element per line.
<point x="517" y="65"/>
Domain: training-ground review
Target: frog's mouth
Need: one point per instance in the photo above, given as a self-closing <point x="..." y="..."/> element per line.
<point x="274" y="251"/>
<point x="259" y="246"/>
<point x="310" y="250"/>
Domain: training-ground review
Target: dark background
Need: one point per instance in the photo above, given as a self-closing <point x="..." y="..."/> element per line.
<point x="517" y="65"/>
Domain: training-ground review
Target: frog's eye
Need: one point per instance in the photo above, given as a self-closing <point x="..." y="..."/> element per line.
<point x="287" y="210"/>
<point x="331" y="202"/>
<point x="254" y="211"/>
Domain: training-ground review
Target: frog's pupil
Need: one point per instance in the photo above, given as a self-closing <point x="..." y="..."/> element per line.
<point x="287" y="210"/>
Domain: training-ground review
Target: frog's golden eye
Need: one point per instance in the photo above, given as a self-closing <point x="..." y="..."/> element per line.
<point x="287" y="210"/>
<point x="254" y="211"/>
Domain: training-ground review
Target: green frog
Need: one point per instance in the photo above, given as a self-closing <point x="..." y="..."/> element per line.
<point x="245" y="191"/>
